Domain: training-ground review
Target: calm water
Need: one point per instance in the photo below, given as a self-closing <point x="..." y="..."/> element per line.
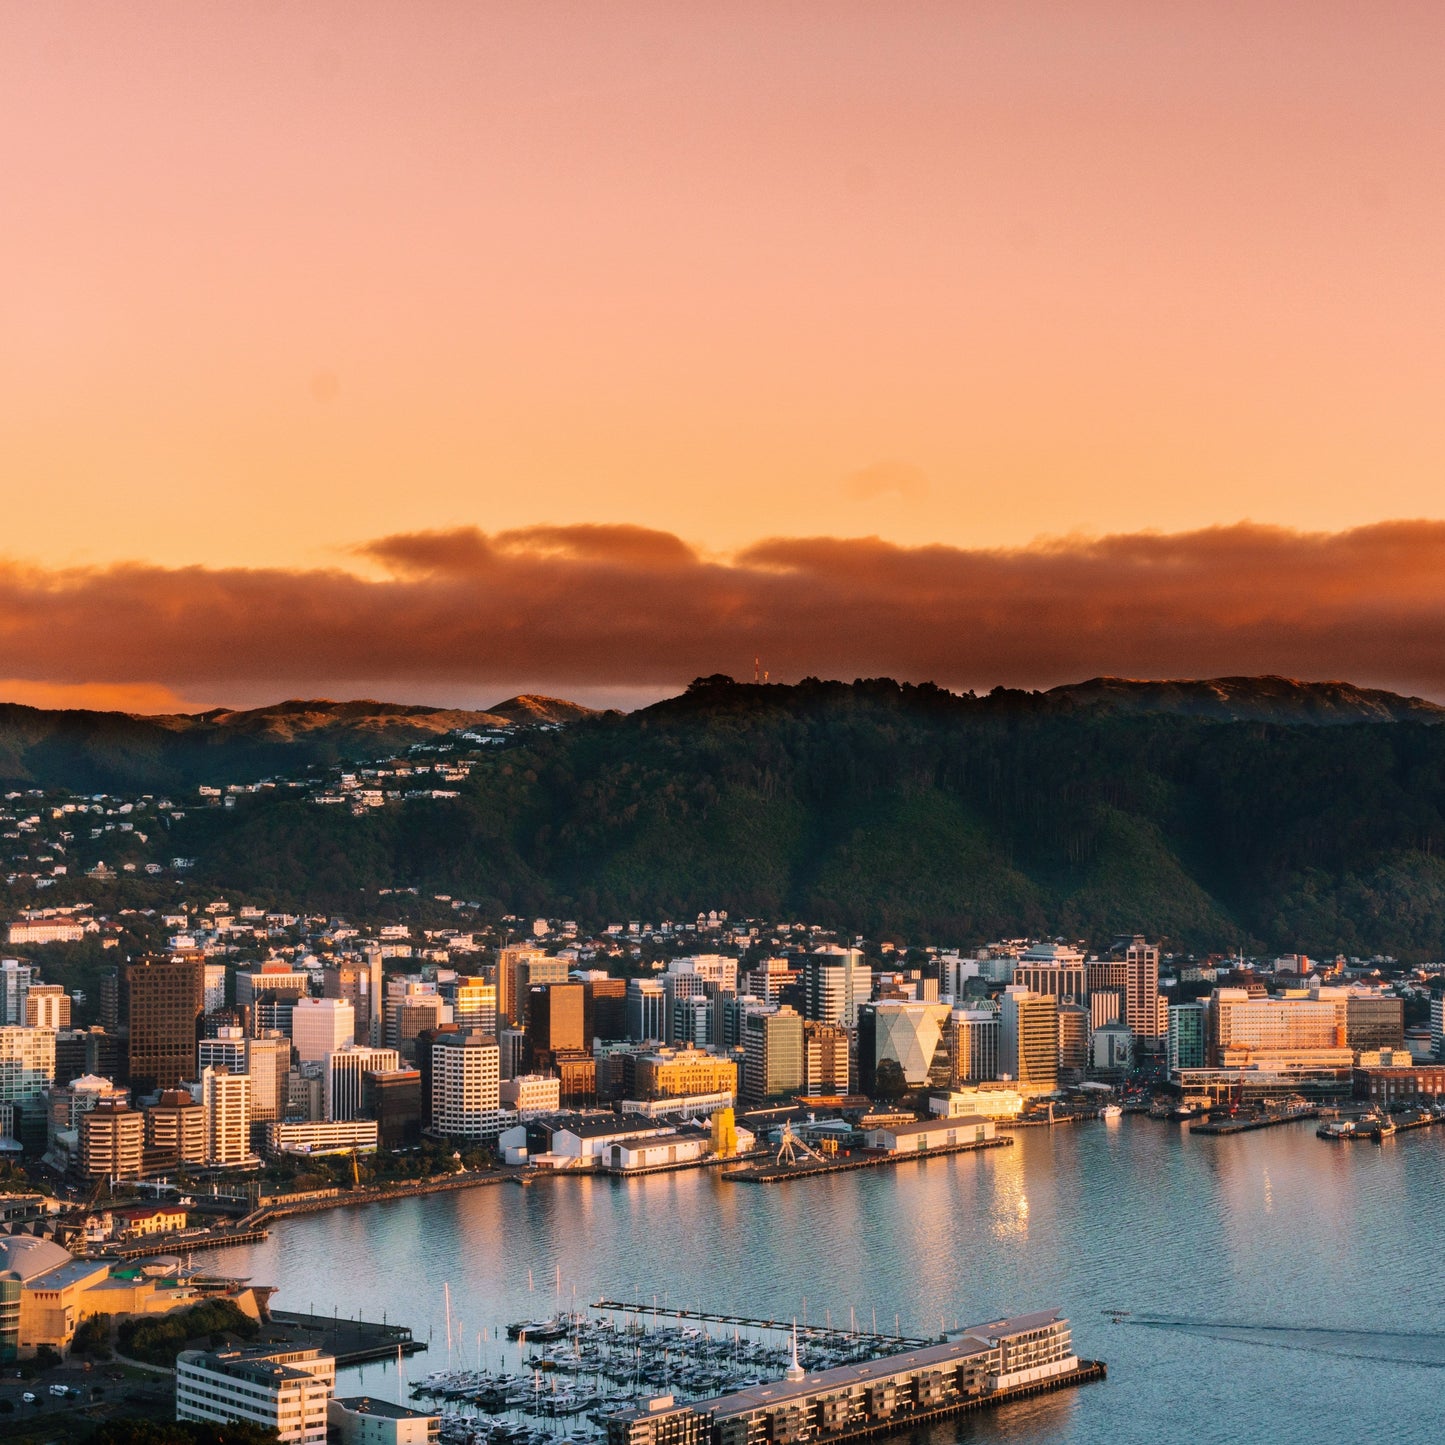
<point x="1282" y="1289"/>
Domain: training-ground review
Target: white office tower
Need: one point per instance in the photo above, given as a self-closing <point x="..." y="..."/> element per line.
<point x="954" y="971"/>
<point x="226" y="1099"/>
<point x="838" y="980"/>
<point x="710" y="967"/>
<point x="226" y="1051"/>
<point x="15" y="981"/>
<point x="466" y="1087"/>
<point x="320" y="1026"/>
<point x="341" y="1081"/>
<point x="215" y="986"/>
<point x="27" y="1064"/>
<point x="285" y="1390"/>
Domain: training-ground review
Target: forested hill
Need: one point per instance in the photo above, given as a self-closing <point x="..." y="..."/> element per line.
<point x="88" y="751"/>
<point x="1223" y="815"/>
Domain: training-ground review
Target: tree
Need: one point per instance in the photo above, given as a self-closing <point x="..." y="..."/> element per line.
<point x="889" y="1083"/>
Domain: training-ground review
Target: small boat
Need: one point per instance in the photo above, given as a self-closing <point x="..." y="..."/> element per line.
<point x="1111" y="1111"/>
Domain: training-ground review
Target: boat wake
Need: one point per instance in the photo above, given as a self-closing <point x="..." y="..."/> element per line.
<point x="1400" y="1347"/>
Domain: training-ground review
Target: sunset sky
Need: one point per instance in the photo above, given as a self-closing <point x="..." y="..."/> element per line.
<point x="443" y="350"/>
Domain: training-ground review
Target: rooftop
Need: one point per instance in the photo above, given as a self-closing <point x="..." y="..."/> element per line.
<point x="929" y="1126"/>
<point x="384" y="1409"/>
<point x="959" y="1345"/>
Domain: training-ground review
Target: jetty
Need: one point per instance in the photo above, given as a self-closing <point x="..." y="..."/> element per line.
<point x="808" y="1168"/>
<point x="1259" y="1121"/>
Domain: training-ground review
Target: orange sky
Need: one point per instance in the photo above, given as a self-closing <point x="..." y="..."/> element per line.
<point x="281" y="279"/>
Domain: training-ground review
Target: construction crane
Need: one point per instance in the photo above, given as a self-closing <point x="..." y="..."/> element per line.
<point x="790" y="1146"/>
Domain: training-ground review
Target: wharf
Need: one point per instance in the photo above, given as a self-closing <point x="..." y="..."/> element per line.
<point x="352" y="1342"/>
<point x="279" y="1206"/>
<point x="1086" y="1372"/>
<point x="778" y="1173"/>
<point x="1243" y="1126"/>
<point x="886" y="1343"/>
<point x="182" y="1242"/>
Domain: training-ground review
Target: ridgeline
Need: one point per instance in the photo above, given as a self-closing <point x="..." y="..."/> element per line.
<point x="1259" y="812"/>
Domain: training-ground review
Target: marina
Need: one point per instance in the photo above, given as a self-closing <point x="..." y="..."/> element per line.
<point x="584" y="1366"/>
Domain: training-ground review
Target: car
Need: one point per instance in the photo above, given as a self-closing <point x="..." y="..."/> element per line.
<point x="28" y="1398"/>
<point x="59" y="1390"/>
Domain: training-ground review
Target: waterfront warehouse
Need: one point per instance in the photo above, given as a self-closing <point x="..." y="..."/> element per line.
<point x="982" y="1365"/>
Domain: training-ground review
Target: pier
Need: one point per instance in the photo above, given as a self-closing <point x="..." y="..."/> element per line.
<point x="352" y="1342"/>
<point x="808" y="1169"/>
<point x="743" y="1322"/>
<point x="979" y="1368"/>
<point x="1245" y="1126"/>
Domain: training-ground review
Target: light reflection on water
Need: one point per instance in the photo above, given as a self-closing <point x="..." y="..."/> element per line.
<point x="1280" y="1288"/>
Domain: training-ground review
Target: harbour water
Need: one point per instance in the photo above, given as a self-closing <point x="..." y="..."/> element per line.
<point x="1278" y="1288"/>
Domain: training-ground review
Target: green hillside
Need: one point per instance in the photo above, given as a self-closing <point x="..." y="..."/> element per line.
<point x="912" y="811"/>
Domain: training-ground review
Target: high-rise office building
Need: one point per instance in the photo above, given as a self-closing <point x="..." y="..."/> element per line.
<point x="393" y="1098"/>
<point x="226" y="1049"/>
<point x="646" y="1011"/>
<point x="175" y="1129"/>
<point x="474" y="1004"/>
<point x="1106" y="975"/>
<point x="772" y="1054"/>
<point x="974" y="1044"/>
<point x="375" y="995"/>
<point x="1029" y="1041"/>
<point x="1188" y="1035"/>
<point x="27" y="1063"/>
<point x="350" y="981"/>
<point x="47" y="1006"/>
<point x="112" y="1139"/>
<point x="1052" y="969"/>
<point x="268" y="1062"/>
<point x="226" y="1099"/>
<point x="518" y="971"/>
<point x="320" y="1026"/>
<point x="609" y="1007"/>
<point x="465" y="1087"/>
<point x="1073" y="1021"/>
<point x="411" y="1014"/>
<point x="559" y="1019"/>
<point x="271" y="978"/>
<point x="285" y="1390"/>
<point x="1106" y="1006"/>
<point x="15" y="981"/>
<point x="903" y="1030"/>
<point x="425" y="1044"/>
<point x="166" y="999"/>
<point x="837" y="980"/>
<point x="826" y="1050"/>
<point x="1141" y="1000"/>
<point x="214" y="976"/>
<point x="342" y="1079"/>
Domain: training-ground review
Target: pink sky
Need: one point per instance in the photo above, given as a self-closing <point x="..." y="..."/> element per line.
<point x="281" y="279"/>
